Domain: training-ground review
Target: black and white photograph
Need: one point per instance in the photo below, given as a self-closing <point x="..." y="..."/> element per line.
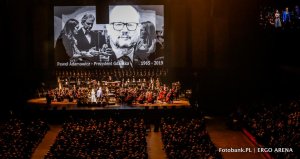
<point x="133" y="38"/>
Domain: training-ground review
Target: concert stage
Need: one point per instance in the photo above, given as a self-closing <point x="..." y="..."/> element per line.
<point x="41" y="104"/>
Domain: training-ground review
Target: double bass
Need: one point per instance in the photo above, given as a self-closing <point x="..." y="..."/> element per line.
<point x="161" y="95"/>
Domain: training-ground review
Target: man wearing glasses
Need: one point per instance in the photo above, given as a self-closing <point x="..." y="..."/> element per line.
<point x="123" y="31"/>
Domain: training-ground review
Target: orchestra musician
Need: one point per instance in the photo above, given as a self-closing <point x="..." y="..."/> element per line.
<point x="161" y="95"/>
<point x="141" y="98"/>
<point x="129" y="98"/>
<point x="169" y="97"/>
<point x="149" y="96"/>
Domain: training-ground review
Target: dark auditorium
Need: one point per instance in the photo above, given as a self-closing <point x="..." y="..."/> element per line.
<point x="150" y="79"/>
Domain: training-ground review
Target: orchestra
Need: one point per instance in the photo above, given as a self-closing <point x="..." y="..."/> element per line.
<point x="141" y="87"/>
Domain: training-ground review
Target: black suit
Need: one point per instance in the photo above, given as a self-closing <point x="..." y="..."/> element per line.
<point x="136" y="61"/>
<point x="97" y="40"/>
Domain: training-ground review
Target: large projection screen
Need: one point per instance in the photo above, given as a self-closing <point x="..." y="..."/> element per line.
<point x="133" y="38"/>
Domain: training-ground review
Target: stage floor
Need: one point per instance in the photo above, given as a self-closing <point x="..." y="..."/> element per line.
<point x="40" y="103"/>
